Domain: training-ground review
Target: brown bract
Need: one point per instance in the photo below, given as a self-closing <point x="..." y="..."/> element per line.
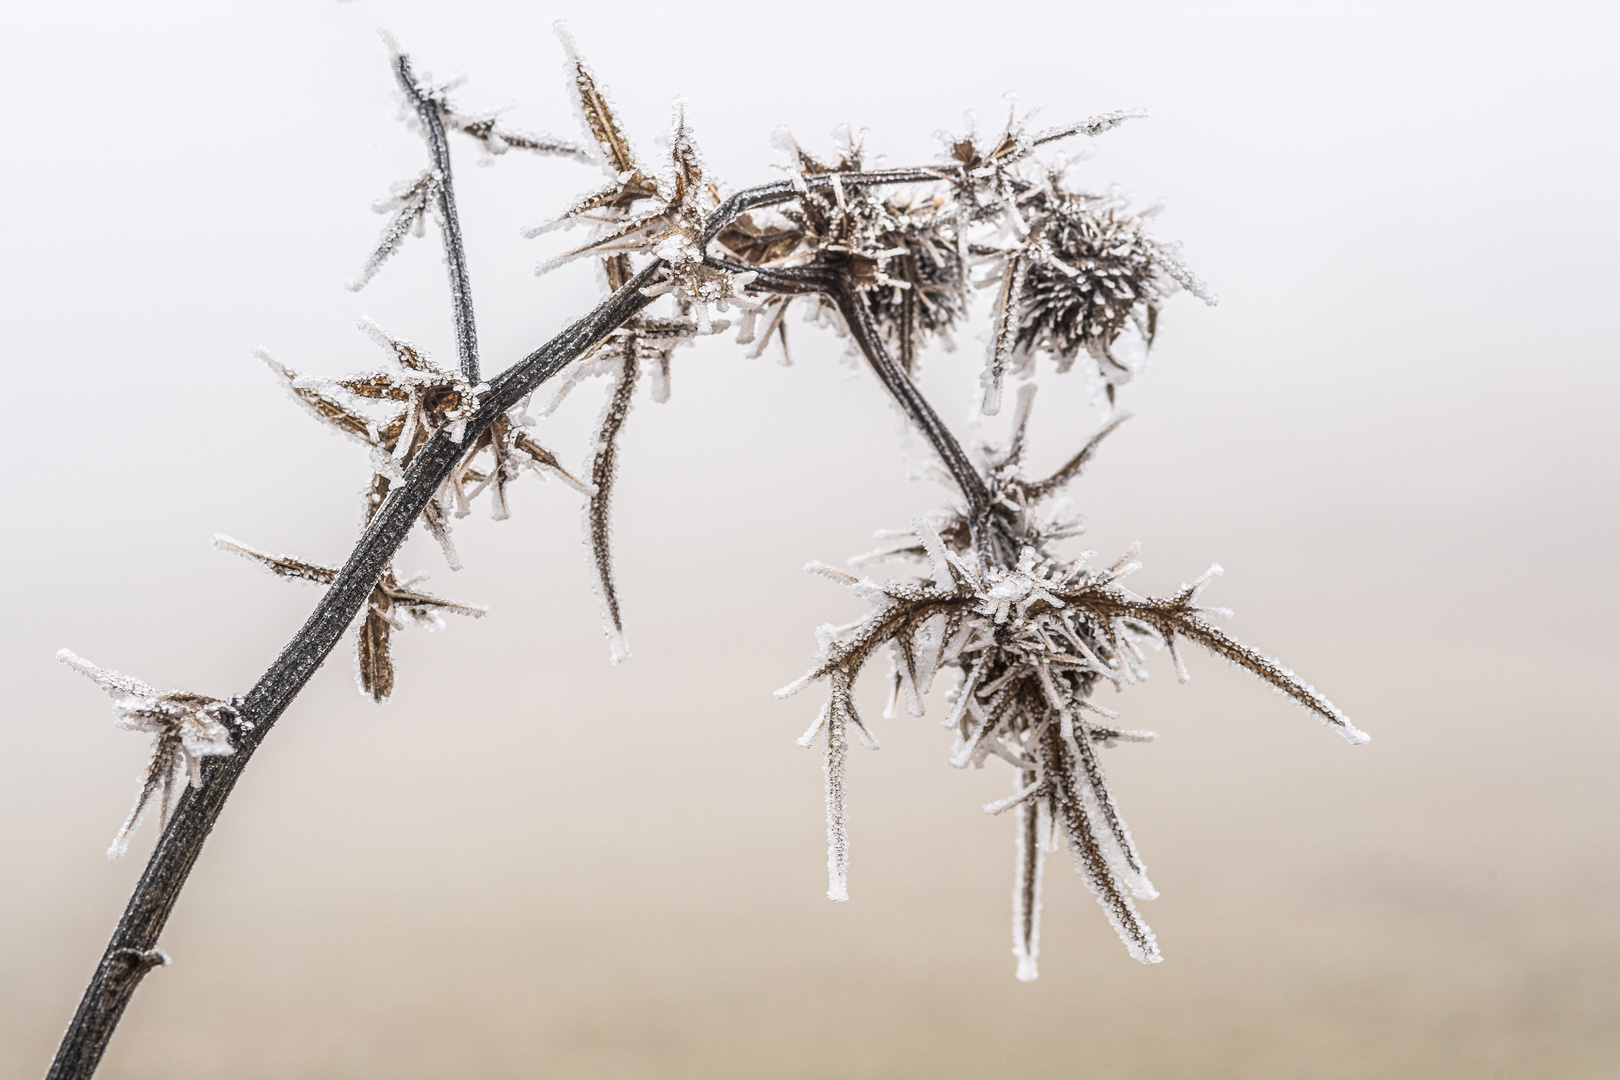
<point x="393" y="605"/>
<point x="185" y="728"/>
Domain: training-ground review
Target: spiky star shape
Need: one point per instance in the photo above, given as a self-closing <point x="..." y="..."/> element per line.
<point x="1029" y="643"/>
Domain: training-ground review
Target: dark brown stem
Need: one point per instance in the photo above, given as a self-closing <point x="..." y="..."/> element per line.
<point x="989" y="537"/>
<point x="786" y="191"/>
<point x="131" y="952"/>
<point x="455" y="252"/>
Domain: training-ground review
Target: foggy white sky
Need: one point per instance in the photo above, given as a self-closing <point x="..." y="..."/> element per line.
<point x="1397" y="432"/>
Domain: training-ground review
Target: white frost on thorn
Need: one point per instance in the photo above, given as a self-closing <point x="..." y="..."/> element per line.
<point x="185" y="728"/>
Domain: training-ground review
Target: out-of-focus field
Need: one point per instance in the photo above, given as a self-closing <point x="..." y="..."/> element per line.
<point x="1396" y="432"/>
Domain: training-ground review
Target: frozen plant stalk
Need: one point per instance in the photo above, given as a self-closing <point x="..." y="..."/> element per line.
<point x="892" y="258"/>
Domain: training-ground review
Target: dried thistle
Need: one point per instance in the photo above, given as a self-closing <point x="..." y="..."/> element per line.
<point x="1028" y="643"/>
<point x="1072" y="270"/>
<point x="882" y="256"/>
<point x="185" y="728"/>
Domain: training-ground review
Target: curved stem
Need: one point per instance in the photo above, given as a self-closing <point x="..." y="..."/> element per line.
<point x="455" y="252"/>
<point x="131" y="952"/>
<point x="988" y="537"/>
<point x="786" y="191"/>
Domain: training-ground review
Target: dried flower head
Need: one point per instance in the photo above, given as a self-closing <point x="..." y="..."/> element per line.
<point x="900" y="251"/>
<point x="1094" y="273"/>
<point x="1073" y="270"/>
<point x="1028" y="642"/>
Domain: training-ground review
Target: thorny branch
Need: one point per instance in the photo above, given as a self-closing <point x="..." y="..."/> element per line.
<point x="986" y="534"/>
<point x="1027" y="632"/>
<point x="193" y="818"/>
<point x="455" y="252"/>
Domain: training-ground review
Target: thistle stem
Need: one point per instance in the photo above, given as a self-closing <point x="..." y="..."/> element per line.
<point x="455" y="252"/>
<point x="783" y="191"/>
<point x="988" y="537"/>
<point x="130" y="953"/>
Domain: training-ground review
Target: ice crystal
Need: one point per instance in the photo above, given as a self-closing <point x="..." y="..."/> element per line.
<point x="185" y="728"/>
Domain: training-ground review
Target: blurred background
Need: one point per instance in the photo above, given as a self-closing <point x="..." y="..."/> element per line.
<point x="1397" y="432"/>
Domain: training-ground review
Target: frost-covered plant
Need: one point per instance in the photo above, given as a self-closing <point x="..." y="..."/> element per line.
<point x="1028" y="642"/>
<point x="889" y="258"/>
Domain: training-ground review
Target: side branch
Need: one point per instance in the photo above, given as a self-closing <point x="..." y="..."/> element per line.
<point x="136" y="935"/>
<point x="831" y="282"/>
<point x="455" y="253"/>
<point x="988" y="536"/>
<point x="785" y="191"/>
